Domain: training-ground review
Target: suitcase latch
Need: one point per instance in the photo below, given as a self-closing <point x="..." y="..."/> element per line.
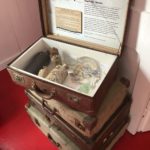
<point x="78" y="124"/>
<point x="19" y="78"/>
<point x="73" y="98"/>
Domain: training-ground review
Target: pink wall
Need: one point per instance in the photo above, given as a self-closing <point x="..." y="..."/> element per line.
<point x="19" y="27"/>
<point x="8" y="42"/>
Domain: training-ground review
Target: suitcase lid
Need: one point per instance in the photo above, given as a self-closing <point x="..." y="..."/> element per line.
<point x="94" y="24"/>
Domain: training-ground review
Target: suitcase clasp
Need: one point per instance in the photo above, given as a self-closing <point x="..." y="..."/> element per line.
<point x="78" y="124"/>
<point x="19" y="78"/>
<point x="73" y="98"/>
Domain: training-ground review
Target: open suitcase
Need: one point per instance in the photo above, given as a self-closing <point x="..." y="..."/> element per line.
<point x="86" y="125"/>
<point x="88" y="36"/>
<point x="62" y="136"/>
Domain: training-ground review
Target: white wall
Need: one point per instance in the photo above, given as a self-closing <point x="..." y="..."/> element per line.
<point x="143" y="80"/>
<point x="136" y="59"/>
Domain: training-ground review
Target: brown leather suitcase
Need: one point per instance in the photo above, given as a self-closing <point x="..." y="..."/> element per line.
<point x="86" y="125"/>
<point x="102" y="139"/>
<point x="75" y="39"/>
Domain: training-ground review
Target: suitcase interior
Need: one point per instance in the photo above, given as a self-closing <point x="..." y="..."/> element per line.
<point x="67" y="53"/>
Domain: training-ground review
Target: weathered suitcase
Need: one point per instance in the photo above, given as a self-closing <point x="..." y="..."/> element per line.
<point x="106" y="138"/>
<point x="86" y="125"/>
<point x="78" y="29"/>
<point x="50" y="130"/>
<point x="116" y="120"/>
<point x="117" y="137"/>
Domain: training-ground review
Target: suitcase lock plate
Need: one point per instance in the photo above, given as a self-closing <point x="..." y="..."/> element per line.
<point x="73" y="98"/>
<point x="78" y="124"/>
<point x="19" y="78"/>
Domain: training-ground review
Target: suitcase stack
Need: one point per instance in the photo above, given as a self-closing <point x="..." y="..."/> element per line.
<point x="70" y="75"/>
<point x="70" y="129"/>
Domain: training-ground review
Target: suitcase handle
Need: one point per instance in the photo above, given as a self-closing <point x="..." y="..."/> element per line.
<point x="42" y="94"/>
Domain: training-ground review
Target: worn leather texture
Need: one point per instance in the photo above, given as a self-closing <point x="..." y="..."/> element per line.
<point x="86" y="125"/>
<point x="76" y="100"/>
<point x="50" y="130"/>
<point x="63" y="142"/>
